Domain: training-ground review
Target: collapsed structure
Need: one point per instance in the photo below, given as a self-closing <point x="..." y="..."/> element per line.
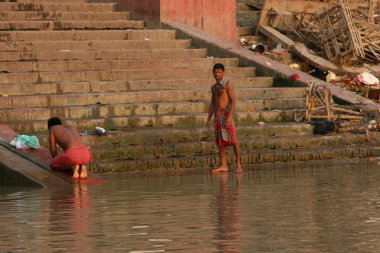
<point x="336" y="35"/>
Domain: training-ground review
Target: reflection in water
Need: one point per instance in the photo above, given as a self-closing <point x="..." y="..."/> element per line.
<point x="287" y="210"/>
<point x="69" y="218"/>
<point x="227" y="205"/>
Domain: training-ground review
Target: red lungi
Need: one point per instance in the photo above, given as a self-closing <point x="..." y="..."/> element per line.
<point x="71" y="157"/>
<point x="224" y="136"/>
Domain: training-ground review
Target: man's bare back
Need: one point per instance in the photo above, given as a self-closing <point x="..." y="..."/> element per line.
<point x="66" y="136"/>
<point x="75" y="155"/>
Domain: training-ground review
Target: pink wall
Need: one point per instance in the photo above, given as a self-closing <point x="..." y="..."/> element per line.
<point x="217" y="17"/>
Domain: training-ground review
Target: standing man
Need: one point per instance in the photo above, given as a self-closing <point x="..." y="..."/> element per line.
<point x="222" y="106"/>
<point x="75" y="155"/>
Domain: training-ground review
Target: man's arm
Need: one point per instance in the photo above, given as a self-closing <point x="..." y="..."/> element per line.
<point x="232" y="99"/>
<point x="52" y="143"/>
<point x="211" y="108"/>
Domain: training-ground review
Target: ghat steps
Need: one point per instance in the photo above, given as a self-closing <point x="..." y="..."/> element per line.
<point x="92" y="66"/>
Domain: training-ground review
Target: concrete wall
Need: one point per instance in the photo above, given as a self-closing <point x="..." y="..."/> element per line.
<point x="217" y="17"/>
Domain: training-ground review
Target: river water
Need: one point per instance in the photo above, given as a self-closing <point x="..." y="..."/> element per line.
<point x="300" y="209"/>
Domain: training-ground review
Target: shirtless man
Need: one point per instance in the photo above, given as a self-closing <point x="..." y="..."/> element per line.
<point x="222" y="106"/>
<point x="75" y="155"/>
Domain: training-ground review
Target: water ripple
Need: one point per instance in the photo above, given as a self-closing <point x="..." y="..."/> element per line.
<point x="310" y="210"/>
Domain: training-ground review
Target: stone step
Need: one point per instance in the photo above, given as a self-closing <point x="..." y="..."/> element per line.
<point x="35" y="46"/>
<point x="109" y="98"/>
<point x="246" y="30"/>
<point x="141" y="109"/>
<point x="243" y="22"/>
<point x="74" y="76"/>
<point x="116" y="54"/>
<point x="124" y="86"/>
<point x="46" y="66"/>
<point x="78" y="35"/>
<point x="242" y="7"/>
<point x="54" y="6"/>
<point x="207" y="146"/>
<point x="249" y="14"/>
<point x="68" y="25"/>
<point x="212" y="161"/>
<point x="157" y="121"/>
<point x="62" y="16"/>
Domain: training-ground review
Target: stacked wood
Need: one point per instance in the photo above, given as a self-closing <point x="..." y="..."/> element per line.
<point x="320" y="105"/>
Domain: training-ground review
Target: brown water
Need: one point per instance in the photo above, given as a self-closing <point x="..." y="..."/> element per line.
<point x="318" y="209"/>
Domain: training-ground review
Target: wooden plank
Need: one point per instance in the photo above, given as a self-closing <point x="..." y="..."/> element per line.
<point x="315" y="60"/>
<point x="276" y="36"/>
<point x="295" y="6"/>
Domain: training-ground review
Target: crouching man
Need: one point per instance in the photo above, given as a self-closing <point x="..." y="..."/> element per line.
<point x="75" y="154"/>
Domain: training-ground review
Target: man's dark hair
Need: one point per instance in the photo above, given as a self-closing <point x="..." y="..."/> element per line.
<point x="53" y="122"/>
<point x="218" y="66"/>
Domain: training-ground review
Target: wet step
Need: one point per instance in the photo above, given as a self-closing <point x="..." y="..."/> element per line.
<point x="184" y="95"/>
<point x="248" y="144"/>
<point x="142" y="109"/>
<point x="58" y="6"/>
<point x="96" y="65"/>
<point x="112" y="75"/>
<point x="212" y="160"/>
<point x="27" y="46"/>
<point x="62" y="16"/>
<point x="124" y="86"/>
<point x="100" y="54"/>
<point x="158" y="121"/>
<point x="68" y="25"/>
<point x="78" y="35"/>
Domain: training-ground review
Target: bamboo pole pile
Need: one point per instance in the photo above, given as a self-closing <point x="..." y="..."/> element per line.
<point x="320" y="105"/>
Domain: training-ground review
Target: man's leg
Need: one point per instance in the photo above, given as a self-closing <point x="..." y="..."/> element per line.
<point x="223" y="159"/>
<point x="62" y="162"/>
<point x="83" y="171"/>
<point x="237" y="155"/>
<point x="76" y="171"/>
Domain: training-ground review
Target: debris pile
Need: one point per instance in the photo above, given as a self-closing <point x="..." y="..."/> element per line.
<point x="342" y="32"/>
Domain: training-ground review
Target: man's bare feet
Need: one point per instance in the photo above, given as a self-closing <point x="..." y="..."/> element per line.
<point x="76" y="171"/>
<point x="83" y="171"/>
<point x="221" y="169"/>
<point x="239" y="170"/>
